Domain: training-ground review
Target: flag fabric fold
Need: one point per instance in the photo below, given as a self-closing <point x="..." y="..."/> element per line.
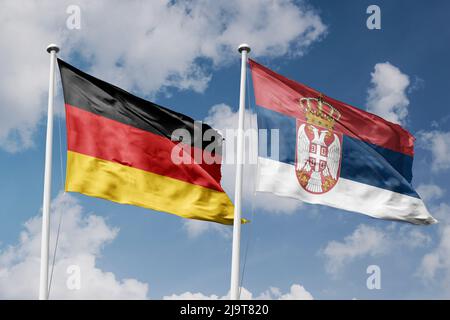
<point x="121" y="148"/>
<point x="333" y="154"/>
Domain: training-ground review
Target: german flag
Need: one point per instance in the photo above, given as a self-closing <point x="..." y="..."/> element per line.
<point x="121" y="148"/>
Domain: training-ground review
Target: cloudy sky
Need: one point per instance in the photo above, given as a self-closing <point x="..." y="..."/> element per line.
<point x="183" y="55"/>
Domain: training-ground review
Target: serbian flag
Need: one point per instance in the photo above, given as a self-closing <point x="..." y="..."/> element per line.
<point x="129" y="150"/>
<point x="333" y="154"/>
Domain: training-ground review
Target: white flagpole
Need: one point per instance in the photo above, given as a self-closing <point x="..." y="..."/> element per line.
<point x="244" y="49"/>
<point x="43" y="280"/>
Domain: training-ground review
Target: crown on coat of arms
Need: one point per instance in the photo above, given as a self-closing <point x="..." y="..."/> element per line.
<point x="319" y="112"/>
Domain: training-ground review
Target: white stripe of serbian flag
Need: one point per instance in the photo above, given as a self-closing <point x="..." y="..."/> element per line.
<point x="333" y="154"/>
<point x="279" y="178"/>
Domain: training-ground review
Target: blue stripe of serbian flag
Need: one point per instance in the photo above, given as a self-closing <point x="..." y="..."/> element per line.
<point x="333" y="154"/>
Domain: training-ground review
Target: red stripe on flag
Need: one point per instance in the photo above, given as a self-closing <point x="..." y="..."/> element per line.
<point x="110" y="140"/>
<point x="278" y="93"/>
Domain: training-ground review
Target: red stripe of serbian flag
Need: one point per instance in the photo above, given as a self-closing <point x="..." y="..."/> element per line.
<point x="132" y="151"/>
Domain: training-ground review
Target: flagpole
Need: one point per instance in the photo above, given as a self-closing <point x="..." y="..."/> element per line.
<point x="244" y="49"/>
<point x="43" y="280"/>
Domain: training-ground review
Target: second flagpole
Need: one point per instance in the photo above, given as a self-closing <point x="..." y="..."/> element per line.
<point x="244" y="49"/>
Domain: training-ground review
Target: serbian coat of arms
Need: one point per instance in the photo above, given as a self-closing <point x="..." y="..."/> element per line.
<point x="318" y="150"/>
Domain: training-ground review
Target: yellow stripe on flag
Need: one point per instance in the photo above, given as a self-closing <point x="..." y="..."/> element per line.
<point x="113" y="181"/>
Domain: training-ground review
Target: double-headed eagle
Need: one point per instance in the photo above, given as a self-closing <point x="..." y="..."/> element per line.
<point x="304" y="156"/>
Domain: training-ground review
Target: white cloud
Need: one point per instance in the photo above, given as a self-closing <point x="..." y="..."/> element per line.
<point x="438" y="143"/>
<point x="411" y="238"/>
<point x="245" y="295"/>
<point x="368" y="241"/>
<point x="141" y="46"/>
<point x="195" y="228"/>
<point x="435" y="265"/>
<point x="296" y="292"/>
<point x="387" y="95"/>
<point x="442" y="213"/>
<point x="191" y="296"/>
<point x="429" y="192"/>
<point x="25" y="31"/>
<point x="364" y="241"/>
<point x="81" y="241"/>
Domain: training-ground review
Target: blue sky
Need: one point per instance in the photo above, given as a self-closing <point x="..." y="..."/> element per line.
<point x="324" y="250"/>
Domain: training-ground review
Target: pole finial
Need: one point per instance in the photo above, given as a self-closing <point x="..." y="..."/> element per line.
<point x="244" y="47"/>
<point x="52" y="47"/>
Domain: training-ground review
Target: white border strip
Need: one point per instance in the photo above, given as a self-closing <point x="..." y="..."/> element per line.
<point x="280" y="178"/>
